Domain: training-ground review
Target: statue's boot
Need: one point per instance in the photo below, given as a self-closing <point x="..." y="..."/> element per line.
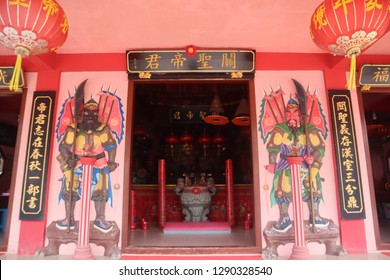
<point x="284" y="222"/>
<point x="69" y="211"/>
<point x="319" y="221"/>
<point x="100" y="222"/>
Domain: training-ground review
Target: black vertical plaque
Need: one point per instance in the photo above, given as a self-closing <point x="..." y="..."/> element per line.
<point x="347" y="158"/>
<point x="37" y="156"/>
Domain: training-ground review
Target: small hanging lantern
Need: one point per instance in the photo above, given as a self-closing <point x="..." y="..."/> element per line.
<point x="241" y="117"/>
<point x="186" y="138"/>
<point x="204" y="140"/>
<point x="31" y="27"/>
<point x="140" y="133"/>
<point x="218" y="140"/>
<point x="216" y="110"/>
<point x="171" y="140"/>
<point x="245" y="132"/>
<point x="349" y="27"/>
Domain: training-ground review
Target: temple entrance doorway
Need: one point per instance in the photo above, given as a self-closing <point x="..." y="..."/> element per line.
<point x="187" y="134"/>
<point x="377" y="116"/>
<point x="10" y="110"/>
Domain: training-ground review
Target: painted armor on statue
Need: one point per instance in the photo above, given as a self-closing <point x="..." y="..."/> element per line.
<point x="289" y="139"/>
<point x="93" y="139"/>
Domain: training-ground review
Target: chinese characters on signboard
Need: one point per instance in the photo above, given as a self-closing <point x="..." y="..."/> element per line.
<point x="375" y="75"/>
<point x="188" y="115"/>
<point x="347" y="158"/>
<point x="142" y="64"/>
<point x="37" y="156"/>
<point x="6" y="75"/>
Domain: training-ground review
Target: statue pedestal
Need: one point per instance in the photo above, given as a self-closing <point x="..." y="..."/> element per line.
<point x="58" y="237"/>
<point x="327" y="236"/>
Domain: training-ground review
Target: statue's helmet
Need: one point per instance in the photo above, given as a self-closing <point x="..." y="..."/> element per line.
<point x="91" y="105"/>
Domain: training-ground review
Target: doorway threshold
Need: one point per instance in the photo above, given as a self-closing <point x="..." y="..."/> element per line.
<point x="154" y="241"/>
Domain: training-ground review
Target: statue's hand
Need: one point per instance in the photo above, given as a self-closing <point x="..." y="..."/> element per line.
<point x="72" y="162"/>
<point x="270" y="168"/>
<point x="112" y="166"/>
<point x="309" y="159"/>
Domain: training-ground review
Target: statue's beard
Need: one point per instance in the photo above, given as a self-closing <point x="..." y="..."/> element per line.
<point x="294" y="131"/>
<point x="89" y="124"/>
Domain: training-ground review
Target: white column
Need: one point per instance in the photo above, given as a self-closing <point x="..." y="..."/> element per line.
<point x="300" y="250"/>
<point x="83" y="250"/>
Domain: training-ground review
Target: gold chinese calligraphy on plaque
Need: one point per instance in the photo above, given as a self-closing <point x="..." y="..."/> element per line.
<point x="347" y="158"/>
<point x="37" y="156"/>
<point x="374" y="76"/>
<point x="165" y="63"/>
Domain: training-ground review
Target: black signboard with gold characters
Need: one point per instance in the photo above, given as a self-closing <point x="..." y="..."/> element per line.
<point x="37" y="156"/>
<point x="188" y="115"/>
<point x="160" y="64"/>
<point x="347" y="158"/>
<point x="377" y="75"/>
<point x="6" y="76"/>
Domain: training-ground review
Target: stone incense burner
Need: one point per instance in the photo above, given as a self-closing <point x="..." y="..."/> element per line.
<point x="195" y="197"/>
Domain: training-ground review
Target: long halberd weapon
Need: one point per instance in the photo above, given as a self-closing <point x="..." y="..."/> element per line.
<point x="301" y="95"/>
<point x="79" y="102"/>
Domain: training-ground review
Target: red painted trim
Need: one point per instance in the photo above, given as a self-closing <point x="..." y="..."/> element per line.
<point x="311" y="61"/>
<point x="352" y="232"/>
<point x="117" y="61"/>
<point x="353" y="236"/>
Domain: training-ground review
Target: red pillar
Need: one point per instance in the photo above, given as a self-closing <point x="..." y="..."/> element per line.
<point x="229" y="192"/>
<point x="162" y="209"/>
<point x="133" y="216"/>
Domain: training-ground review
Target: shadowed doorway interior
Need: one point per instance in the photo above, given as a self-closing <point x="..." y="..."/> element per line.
<point x="170" y="123"/>
<point x="377" y="117"/>
<point x="10" y="104"/>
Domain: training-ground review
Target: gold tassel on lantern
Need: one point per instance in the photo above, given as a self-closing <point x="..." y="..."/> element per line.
<point x="352" y="54"/>
<point x="14" y="83"/>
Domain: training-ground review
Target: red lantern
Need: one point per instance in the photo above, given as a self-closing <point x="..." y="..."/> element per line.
<point x="31" y="27"/>
<point x="218" y="140"/>
<point x="349" y="27"/>
<point x="186" y="138"/>
<point x="171" y="140"/>
<point x="204" y="140"/>
<point x="245" y="131"/>
<point x="140" y="133"/>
